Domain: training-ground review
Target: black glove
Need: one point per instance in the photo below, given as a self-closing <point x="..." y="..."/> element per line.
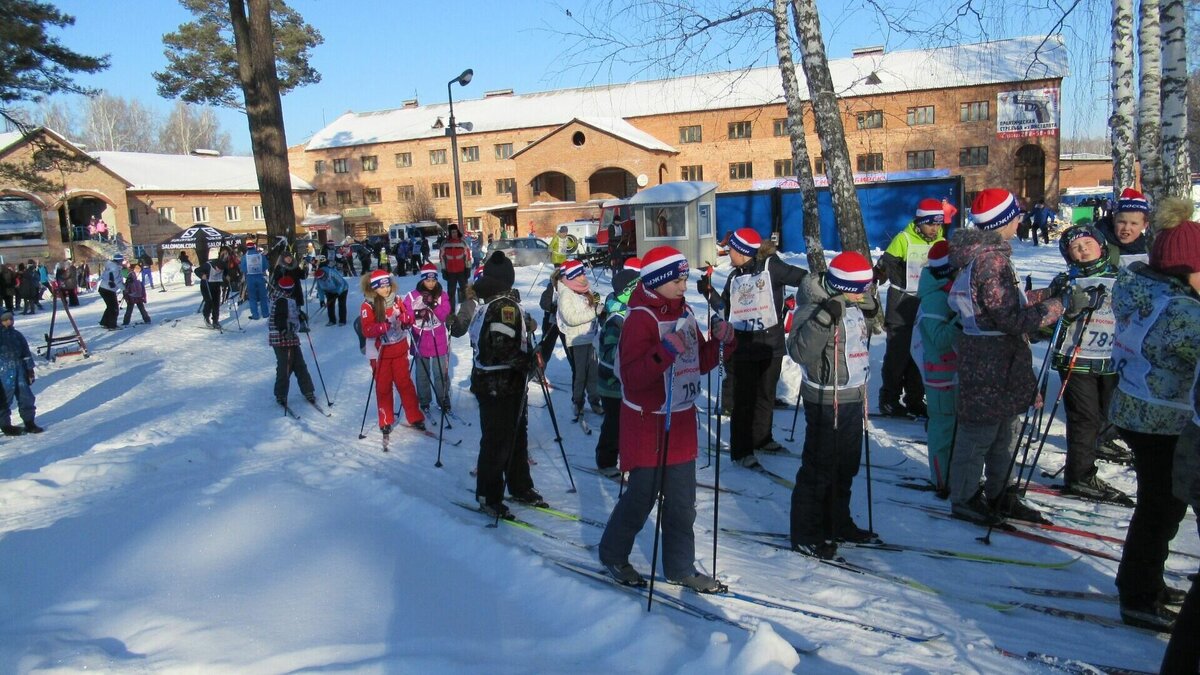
<point x="835" y="308"/>
<point x="1076" y="300"/>
<point x="704" y="285"/>
<point x="1059" y="284"/>
<point x="303" y="317"/>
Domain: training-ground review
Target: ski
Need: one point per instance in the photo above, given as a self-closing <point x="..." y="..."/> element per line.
<point x="288" y="409"/>
<point x="1056" y="491"/>
<point x="774" y="477"/>
<point x="429" y="434"/>
<point x="564" y="515"/>
<point x="527" y="527"/>
<point x="319" y="408"/>
<point x="1069" y="595"/>
<point x="456" y="418"/>
<point x="1069" y="665"/>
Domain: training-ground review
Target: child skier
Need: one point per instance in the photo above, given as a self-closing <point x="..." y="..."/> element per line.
<point x="16" y="378"/>
<point x="430" y="309"/>
<point x="334" y="286"/>
<point x="282" y="323"/>
<point x="387" y="321"/>
<point x="578" y="309"/>
<point x="615" y="308"/>
<point x="135" y="295"/>
<point x="829" y="343"/>
<point x="933" y="350"/>
<point x="662" y="355"/>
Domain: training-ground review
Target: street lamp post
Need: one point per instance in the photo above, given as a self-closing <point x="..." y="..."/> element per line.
<point x="452" y="131"/>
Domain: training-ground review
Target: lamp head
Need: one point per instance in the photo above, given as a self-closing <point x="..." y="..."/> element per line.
<point x="465" y="78"/>
<point x="466" y="126"/>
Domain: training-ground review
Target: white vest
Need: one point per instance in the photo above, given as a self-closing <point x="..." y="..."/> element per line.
<point x="1097" y="344"/>
<point x="852" y="352"/>
<point x="254" y="263"/>
<point x="962" y="300"/>
<point x="918" y="257"/>
<point x="684" y="376"/>
<point x="752" y="302"/>
<point x="1130" y="359"/>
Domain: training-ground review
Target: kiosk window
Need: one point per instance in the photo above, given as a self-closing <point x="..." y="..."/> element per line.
<point x="667" y="222"/>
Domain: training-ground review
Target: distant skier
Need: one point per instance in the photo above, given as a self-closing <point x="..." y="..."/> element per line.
<point x="282" y="325"/>
<point x="16" y="378"/>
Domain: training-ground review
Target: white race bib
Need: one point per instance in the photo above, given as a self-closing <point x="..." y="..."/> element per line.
<point x="918" y="256"/>
<point x="752" y="302"/>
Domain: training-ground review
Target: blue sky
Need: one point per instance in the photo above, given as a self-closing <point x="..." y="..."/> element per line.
<point x="377" y="54"/>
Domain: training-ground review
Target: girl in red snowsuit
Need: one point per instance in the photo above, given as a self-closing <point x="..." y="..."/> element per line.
<point x="385" y="319"/>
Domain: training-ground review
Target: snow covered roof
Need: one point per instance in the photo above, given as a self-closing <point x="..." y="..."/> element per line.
<point x="186" y="173"/>
<point x="672" y="193"/>
<point x="8" y="138"/>
<point x="611" y="125"/>
<point x="1084" y="157"/>
<point x="1011" y="60"/>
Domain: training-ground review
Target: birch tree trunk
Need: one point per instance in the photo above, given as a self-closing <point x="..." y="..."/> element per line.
<point x="1176" y="168"/>
<point x="1120" y="123"/>
<point x="1150" y="101"/>
<point x="827" y="117"/>
<point x="795" y="121"/>
<point x="255" y="41"/>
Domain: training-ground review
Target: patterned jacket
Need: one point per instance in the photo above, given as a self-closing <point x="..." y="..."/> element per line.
<point x="995" y="372"/>
<point x="1170" y="346"/>
<point x="284" y="319"/>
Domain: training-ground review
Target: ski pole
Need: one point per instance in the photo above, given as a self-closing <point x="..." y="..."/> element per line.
<point x="708" y="421"/>
<point x="442" y="404"/>
<point x="367" y="405"/>
<point x="317" y="363"/>
<point x="661" y="479"/>
<point x="1043" y="373"/>
<point x="867" y="448"/>
<point x="541" y="266"/>
<point x="795" y="414"/>
<point x="550" y="407"/>
<point x="1087" y="320"/>
<point x="717" y="484"/>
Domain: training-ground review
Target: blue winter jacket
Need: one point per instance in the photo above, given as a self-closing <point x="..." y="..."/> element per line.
<point x="332" y="281"/>
<point x="15" y="358"/>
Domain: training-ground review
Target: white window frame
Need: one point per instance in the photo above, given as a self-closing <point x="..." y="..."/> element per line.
<point x="200" y="215"/>
<point x="258" y="212"/>
<point x="233" y="214"/>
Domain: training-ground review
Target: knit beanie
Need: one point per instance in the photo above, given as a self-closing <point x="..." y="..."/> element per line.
<point x="380" y="278"/>
<point x="1132" y="200"/>
<point x="745" y="241"/>
<point x="287" y="283"/>
<point x="849" y="272"/>
<point x="1078" y="232"/>
<point x="1176" y="247"/>
<point x="939" y="259"/>
<point x="497" y="277"/>
<point x="428" y="271"/>
<point x="662" y="264"/>
<point x="7" y="314"/>
<point x="622" y="280"/>
<point x="633" y="264"/>
<point x="251" y="246"/>
<point x="929" y="211"/>
<point x="994" y="208"/>
<point x="571" y="269"/>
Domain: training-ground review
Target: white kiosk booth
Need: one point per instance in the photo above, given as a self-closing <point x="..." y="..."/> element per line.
<point x="681" y="215"/>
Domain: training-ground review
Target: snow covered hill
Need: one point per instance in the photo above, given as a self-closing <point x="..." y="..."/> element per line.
<point x="172" y="519"/>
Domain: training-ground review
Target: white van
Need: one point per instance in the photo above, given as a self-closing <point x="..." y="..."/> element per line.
<point x="584" y="230"/>
<point x="400" y="231"/>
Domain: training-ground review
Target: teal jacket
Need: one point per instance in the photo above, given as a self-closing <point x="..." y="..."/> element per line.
<point x="610" y="336"/>
<point x="939" y="330"/>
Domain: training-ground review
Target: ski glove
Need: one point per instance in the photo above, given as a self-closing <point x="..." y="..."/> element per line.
<point x="1060" y="283"/>
<point x="721" y="330"/>
<point x="704" y="286"/>
<point x="673" y="342"/>
<point x="834" y="308"/>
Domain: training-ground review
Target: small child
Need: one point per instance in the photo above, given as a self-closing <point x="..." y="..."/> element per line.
<point x="933" y="350"/>
<point x="578" y="309"/>
<point x="386" y="321"/>
<point x="135" y="295"/>
<point x="283" y="323"/>
<point x="615" y="308"/>
<point x="829" y="342"/>
<point x="16" y="378"/>
<point x="430" y="309"/>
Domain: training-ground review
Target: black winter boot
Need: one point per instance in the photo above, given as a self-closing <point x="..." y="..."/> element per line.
<point x="31" y="427"/>
<point x="10" y="430"/>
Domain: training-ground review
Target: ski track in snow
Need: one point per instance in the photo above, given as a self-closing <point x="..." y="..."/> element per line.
<point x="172" y="519"/>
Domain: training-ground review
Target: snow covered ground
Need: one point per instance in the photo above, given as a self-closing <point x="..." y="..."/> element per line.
<point x="171" y="519"/>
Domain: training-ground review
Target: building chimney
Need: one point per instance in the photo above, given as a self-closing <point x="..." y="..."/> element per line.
<point x="410" y="103"/>
<point x="204" y="152"/>
<point x="874" y="50"/>
<point x="497" y="92"/>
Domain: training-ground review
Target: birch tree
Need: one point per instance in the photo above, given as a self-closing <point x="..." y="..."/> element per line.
<point x="116" y="123"/>
<point x="795" y="122"/>
<point x="1150" y="100"/>
<point x="1176" y="169"/>
<point x="1120" y="123"/>
<point x="827" y="118"/>
<point x="190" y="127"/>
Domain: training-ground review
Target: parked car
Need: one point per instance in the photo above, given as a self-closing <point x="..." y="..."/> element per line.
<point x="523" y="250"/>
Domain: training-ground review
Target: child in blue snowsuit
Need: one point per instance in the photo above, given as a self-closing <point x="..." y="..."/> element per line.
<point x="16" y="378"/>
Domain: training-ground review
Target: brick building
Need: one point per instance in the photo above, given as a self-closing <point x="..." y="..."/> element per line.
<point x="988" y="112"/>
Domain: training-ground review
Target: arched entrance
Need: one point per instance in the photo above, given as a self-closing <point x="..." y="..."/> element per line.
<point x="77" y="211"/>
<point x="612" y="183"/>
<point x="552" y="186"/>
<point x="1030" y="173"/>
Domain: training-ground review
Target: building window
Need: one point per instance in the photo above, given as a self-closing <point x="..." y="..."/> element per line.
<point x="470" y="153"/>
<point x="693" y="172"/>
<point x="780" y="127"/>
<point x="440" y="190"/>
<point x="233" y="214"/>
<point x="319" y="166"/>
<point x="920" y="115"/>
<point x="503" y="150"/>
<point x="740" y="130"/>
<point x="871" y="119"/>
<point x="200" y="214"/>
<point x="690" y="134"/>
<point x="872" y="161"/>
<point x="405" y="193"/>
<point x="344" y="198"/>
<point x="437" y="156"/>
<point x="322" y="200"/>
<point x="372" y="195"/>
<point x="975" y="156"/>
<point x="472" y="223"/>
<point x="973" y="111"/>
<point x="403" y="159"/>
<point x="819" y="165"/>
<point x="783" y="168"/>
<point x="472" y="188"/>
<point x="741" y="170"/>
<point x="166" y="213"/>
<point x="506" y="186"/>
<point x="370" y="162"/>
<point x="920" y="159"/>
<point x="341" y="165"/>
<point x="258" y="212"/>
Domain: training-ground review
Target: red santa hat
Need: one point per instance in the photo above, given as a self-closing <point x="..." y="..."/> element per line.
<point x="663" y="264"/>
<point x="633" y="263"/>
<point x="745" y="241"/>
<point x="994" y="208"/>
<point x="939" y="255"/>
<point x="930" y="211"/>
<point x="286" y="283"/>
<point x="849" y="272"/>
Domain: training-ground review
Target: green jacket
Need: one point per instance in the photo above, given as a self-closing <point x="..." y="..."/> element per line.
<point x="903" y="261"/>
<point x="939" y="330"/>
